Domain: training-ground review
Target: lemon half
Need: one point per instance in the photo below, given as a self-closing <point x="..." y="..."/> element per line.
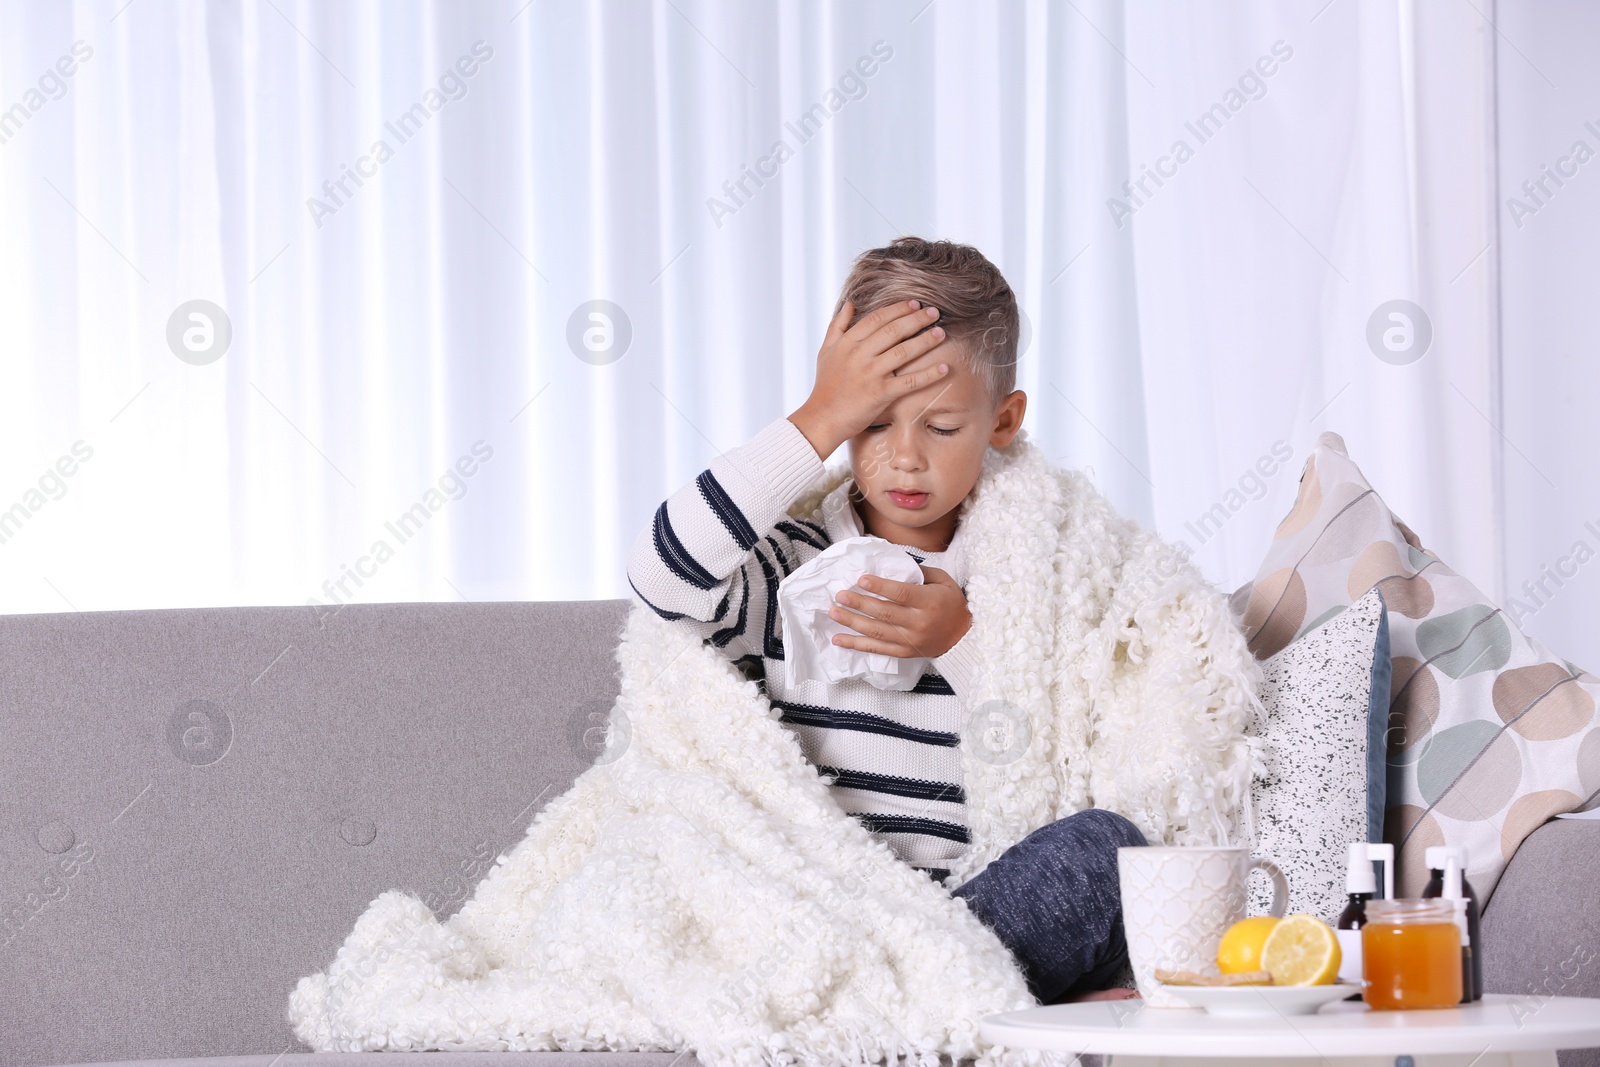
<point x="1240" y="949"/>
<point x="1301" y="950"/>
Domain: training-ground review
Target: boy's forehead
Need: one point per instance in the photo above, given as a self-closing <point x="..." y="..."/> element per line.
<point x="959" y="392"/>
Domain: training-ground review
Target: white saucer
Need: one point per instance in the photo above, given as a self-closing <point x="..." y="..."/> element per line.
<point x="1263" y="999"/>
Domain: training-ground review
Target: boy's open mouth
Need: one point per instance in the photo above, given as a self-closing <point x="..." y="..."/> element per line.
<point x="908" y="499"/>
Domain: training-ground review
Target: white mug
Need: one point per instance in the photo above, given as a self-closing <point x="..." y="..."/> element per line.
<point x="1177" y="902"/>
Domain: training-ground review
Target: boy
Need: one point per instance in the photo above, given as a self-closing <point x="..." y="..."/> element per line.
<point x="916" y="373"/>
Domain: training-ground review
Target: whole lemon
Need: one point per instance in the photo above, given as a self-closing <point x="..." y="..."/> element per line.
<point x="1240" y="949"/>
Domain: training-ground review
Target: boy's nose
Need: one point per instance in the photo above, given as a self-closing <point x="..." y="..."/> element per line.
<point x="907" y="455"/>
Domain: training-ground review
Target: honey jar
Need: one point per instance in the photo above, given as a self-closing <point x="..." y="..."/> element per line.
<point x="1411" y="954"/>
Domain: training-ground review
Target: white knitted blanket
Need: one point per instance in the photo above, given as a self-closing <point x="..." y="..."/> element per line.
<point x="699" y="888"/>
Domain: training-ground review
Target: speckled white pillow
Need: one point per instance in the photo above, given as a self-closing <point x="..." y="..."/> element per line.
<point x="1321" y="780"/>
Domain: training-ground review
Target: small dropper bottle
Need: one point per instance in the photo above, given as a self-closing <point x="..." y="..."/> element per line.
<point x="1361" y="886"/>
<point x="1449" y="882"/>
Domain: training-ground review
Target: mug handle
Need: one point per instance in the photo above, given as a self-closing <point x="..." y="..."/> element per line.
<point x="1280" y="886"/>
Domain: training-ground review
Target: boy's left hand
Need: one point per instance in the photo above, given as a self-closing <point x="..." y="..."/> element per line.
<point x="916" y="620"/>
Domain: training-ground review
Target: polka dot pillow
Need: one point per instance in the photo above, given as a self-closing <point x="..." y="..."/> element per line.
<point x="1489" y="733"/>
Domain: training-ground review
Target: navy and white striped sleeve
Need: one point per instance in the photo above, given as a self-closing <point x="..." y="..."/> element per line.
<point x="714" y="551"/>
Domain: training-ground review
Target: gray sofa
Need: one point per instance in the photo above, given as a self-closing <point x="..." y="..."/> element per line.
<point x="196" y="805"/>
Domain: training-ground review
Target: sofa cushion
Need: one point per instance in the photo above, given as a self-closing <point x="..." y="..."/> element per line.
<point x="1490" y="733"/>
<point x="1541" y="932"/>
<point x="1321" y="723"/>
<point x="230" y="788"/>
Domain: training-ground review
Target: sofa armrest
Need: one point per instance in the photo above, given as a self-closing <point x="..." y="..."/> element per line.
<point x="1541" y="928"/>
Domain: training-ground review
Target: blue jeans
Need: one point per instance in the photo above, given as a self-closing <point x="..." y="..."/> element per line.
<point x="1052" y="899"/>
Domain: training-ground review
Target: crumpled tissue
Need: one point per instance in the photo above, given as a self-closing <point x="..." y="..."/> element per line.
<point x="805" y="597"/>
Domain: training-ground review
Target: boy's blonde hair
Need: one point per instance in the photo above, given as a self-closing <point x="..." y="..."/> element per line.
<point x="976" y="307"/>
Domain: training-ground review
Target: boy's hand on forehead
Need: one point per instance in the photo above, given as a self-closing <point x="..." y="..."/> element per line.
<point x="913" y="620"/>
<point x="863" y="369"/>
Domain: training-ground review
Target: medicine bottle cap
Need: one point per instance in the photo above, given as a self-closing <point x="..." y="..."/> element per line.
<point x="1359" y="877"/>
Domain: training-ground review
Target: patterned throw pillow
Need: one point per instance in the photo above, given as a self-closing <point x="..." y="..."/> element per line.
<point x="1320" y="785"/>
<point x="1489" y="733"/>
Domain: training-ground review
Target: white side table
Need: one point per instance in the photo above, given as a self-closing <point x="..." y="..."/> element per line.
<point x="1498" y="1031"/>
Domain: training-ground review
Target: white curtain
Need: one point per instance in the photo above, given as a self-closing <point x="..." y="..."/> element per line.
<point x="1355" y="171"/>
<point x="382" y="330"/>
<point x="406" y="409"/>
<point x="1547" y="88"/>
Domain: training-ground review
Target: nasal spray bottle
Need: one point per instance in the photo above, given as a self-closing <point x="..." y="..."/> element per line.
<point x="1361" y="884"/>
<point x="1448" y="881"/>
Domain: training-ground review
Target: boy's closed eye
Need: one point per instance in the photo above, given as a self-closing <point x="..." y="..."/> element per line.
<point x="943" y="431"/>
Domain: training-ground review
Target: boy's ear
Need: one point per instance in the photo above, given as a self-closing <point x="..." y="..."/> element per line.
<point x="1008" y="419"/>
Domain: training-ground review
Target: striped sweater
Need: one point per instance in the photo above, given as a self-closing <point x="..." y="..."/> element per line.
<point x="713" y="556"/>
